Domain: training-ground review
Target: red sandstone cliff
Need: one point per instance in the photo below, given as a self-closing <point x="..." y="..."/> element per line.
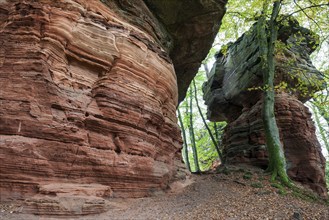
<point x="85" y="98"/>
<point x="88" y="97"/>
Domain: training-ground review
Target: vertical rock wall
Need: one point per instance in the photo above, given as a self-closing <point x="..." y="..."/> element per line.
<point x="232" y="94"/>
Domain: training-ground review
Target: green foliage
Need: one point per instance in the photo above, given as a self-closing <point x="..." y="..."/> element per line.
<point x="261" y="178"/>
<point x="247" y="176"/>
<point x="207" y="153"/>
<point x="257" y="185"/>
<point x="240" y="16"/>
<point x="305" y="196"/>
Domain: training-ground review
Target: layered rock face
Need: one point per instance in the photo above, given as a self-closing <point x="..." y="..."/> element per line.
<point x="88" y="97"/>
<point x="85" y="98"/>
<point x="231" y="94"/>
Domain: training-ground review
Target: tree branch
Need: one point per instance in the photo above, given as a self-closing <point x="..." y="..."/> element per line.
<point x="303" y="10"/>
<point x="308" y="7"/>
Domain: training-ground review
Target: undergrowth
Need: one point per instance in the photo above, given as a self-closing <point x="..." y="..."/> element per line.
<point x="299" y="193"/>
<point x="283" y="188"/>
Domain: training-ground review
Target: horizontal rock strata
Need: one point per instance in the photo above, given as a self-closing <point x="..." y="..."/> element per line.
<point x="186" y="29"/>
<point x="89" y="94"/>
<point x="85" y="97"/>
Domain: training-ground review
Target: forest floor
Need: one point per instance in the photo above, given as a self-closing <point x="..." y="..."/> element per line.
<point x="239" y="193"/>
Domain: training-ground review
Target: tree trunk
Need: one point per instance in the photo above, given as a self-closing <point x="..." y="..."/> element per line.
<point x="277" y="162"/>
<point x="192" y="136"/>
<point x="322" y="131"/>
<point x="218" y="138"/>
<point x="184" y="141"/>
<point x="205" y="123"/>
<point x="321" y="108"/>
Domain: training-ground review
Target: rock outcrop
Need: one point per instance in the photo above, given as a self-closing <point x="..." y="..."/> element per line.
<point x="186" y="29"/>
<point x="232" y="93"/>
<point x="89" y="94"/>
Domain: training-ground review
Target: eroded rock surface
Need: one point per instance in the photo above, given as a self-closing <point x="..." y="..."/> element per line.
<point x="89" y="93"/>
<point x="185" y="28"/>
<point x="231" y="94"/>
<point x="84" y="99"/>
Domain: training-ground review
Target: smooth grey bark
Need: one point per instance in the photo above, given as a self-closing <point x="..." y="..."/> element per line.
<point x="192" y="136"/>
<point x="205" y="123"/>
<point x="184" y="141"/>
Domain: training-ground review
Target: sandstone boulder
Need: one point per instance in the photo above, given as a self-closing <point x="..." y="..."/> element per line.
<point x="232" y="94"/>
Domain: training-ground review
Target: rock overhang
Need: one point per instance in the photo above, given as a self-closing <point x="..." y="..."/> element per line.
<point x="193" y="33"/>
<point x="185" y="29"/>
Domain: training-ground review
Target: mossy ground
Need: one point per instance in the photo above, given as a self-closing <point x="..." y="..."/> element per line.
<point x="257" y="178"/>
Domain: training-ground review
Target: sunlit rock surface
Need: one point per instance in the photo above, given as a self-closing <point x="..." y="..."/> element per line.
<point x="89" y="94"/>
<point x="232" y="94"/>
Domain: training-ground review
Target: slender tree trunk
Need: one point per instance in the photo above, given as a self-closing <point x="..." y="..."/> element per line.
<point x="277" y="162"/>
<point x="322" y="111"/>
<point x="322" y="131"/>
<point x="217" y="134"/>
<point x="205" y="123"/>
<point x="205" y="66"/>
<point x="192" y="136"/>
<point x="184" y="140"/>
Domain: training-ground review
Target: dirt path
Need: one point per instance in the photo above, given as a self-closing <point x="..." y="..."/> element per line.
<point x="214" y="196"/>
